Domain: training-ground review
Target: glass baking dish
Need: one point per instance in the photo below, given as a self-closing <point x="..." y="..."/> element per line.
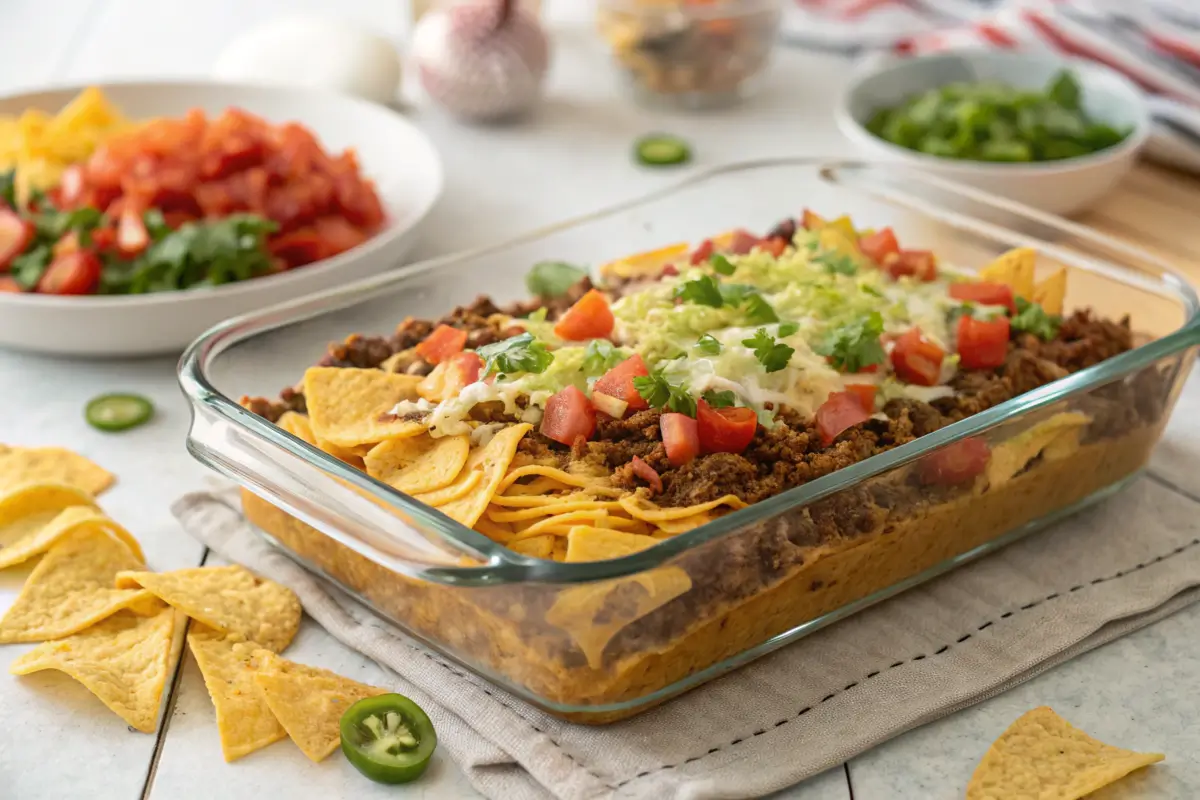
<point x="599" y="641"/>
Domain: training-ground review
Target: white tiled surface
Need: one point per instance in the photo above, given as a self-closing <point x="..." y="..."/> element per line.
<point x="58" y="741"/>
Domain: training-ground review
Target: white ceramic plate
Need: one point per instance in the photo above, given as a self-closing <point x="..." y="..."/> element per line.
<point x="403" y="163"/>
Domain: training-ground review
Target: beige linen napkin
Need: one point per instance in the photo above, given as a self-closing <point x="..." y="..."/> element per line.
<point x="933" y="650"/>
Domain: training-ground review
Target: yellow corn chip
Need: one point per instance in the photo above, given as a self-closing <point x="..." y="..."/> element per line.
<point x="123" y="660"/>
<point x="419" y="463"/>
<point x="38" y="541"/>
<point x="297" y="425"/>
<point x="558" y="521"/>
<point x="71" y="588"/>
<point x="227" y="662"/>
<point x="544" y="499"/>
<point x="20" y="465"/>
<point x="492" y="460"/>
<point x="644" y="264"/>
<point x="348" y="407"/>
<point x="564" y="505"/>
<point x="1051" y="293"/>
<point x="228" y="599"/>
<point x="537" y="486"/>
<point x="565" y="478"/>
<point x="1009" y="458"/>
<point x="600" y="544"/>
<point x="497" y="531"/>
<point x="461" y="487"/>
<point x="641" y="508"/>
<point x="1042" y="756"/>
<point x="26" y="510"/>
<point x="674" y="527"/>
<point x="536" y="546"/>
<point x="1015" y="268"/>
<point x="308" y="701"/>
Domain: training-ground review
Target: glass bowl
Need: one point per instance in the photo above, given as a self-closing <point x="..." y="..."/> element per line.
<point x="689" y="53"/>
<point x="598" y="641"/>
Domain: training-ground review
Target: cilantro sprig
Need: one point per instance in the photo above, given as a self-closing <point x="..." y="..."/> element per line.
<point x="721" y="265"/>
<point x="600" y="356"/>
<point x="1032" y="318"/>
<point x="716" y="399"/>
<point x="553" y="278"/>
<point x="522" y="353"/>
<point x="703" y="291"/>
<point x="656" y="390"/>
<point x="709" y="345"/>
<point x="855" y="346"/>
<point x="773" y="355"/>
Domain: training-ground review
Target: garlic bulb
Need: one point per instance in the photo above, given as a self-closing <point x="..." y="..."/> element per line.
<point x="481" y="59"/>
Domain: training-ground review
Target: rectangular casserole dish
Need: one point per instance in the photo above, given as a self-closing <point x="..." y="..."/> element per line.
<point x="599" y="641"/>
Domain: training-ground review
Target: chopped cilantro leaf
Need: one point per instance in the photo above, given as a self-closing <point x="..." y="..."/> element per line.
<point x="720" y="399"/>
<point x="787" y="329"/>
<point x="735" y="293"/>
<point x="836" y="263"/>
<point x="759" y="311"/>
<point x="772" y="355"/>
<point x="855" y="345"/>
<point x="702" y="291"/>
<point x="8" y="188"/>
<point x="27" y="268"/>
<point x="721" y="265"/>
<point x="553" y="278"/>
<point x="708" y="345"/>
<point x="600" y="356"/>
<point x="1032" y="318"/>
<point x="656" y="390"/>
<point x="521" y="353"/>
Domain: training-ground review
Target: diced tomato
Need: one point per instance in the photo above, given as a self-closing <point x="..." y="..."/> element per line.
<point x="8" y="284"/>
<point x="681" y="437"/>
<point x="298" y="247"/>
<point x="569" y="416"/>
<point x="132" y="237"/>
<point x="72" y="273"/>
<point x="177" y="219"/>
<point x="15" y="235"/>
<point x="919" y="264"/>
<point x="442" y="343"/>
<point x="742" y="242"/>
<point x="618" y="382"/>
<point x="990" y="294"/>
<point x="879" y="245"/>
<point x="917" y="360"/>
<point x="465" y="367"/>
<point x="702" y="253"/>
<point x="841" y="411"/>
<point x="67" y="243"/>
<point x="647" y="473"/>
<point x="725" y="430"/>
<point x="982" y="344"/>
<point x="670" y="270"/>
<point x="865" y="392"/>
<point x="589" y="318"/>
<point x="954" y="464"/>
<point x="775" y="246"/>
<point x="104" y="239"/>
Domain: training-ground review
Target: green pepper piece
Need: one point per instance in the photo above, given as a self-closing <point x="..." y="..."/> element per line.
<point x="118" y="412"/>
<point x="388" y="738"/>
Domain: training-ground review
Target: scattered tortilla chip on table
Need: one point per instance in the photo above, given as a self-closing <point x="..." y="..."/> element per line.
<point x="349" y="407"/>
<point x="20" y="465"/>
<point x="418" y="464"/>
<point x="308" y="701"/>
<point x="38" y="539"/>
<point x="123" y="660"/>
<point x="1042" y="756"/>
<point x="227" y="662"/>
<point x="71" y="588"/>
<point x="26" y="510"/>
<point x="228" y="599"/>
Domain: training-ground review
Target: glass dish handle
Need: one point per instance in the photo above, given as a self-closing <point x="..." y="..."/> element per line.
<point x="328" y="502"/>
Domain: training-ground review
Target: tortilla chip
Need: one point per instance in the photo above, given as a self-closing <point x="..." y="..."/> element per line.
<point x="35" y="542"/>
<point x="19" y="465"/>
<point x="601" y="544"/>
<point x="645" y="264"/>
<point x="26" y="510"/>
<point x="560" y="522"/>
<point x="71" y="588"/>
<point x="674" y="527"/>
<point x="492" y="461"/>
<point x="123" y="660"/>
<point x="308" y="701"/>
<point x="496" y="531"/>
<point x="585" y="613"/>
<point x="469" y="481"/>
<point x="419" y="463"/>
<point x="1051" y="293"/>
<point x="537" y="486"/>
<point x="1014" y="268"/>
<point x="297" y="425"/>
<point x="1052" y="438"/>
<point x="1042" y="755"/>
<point x="228" y="599"/>
<point x="540" y="470"/>
<point x="227" y="662"/>
<point x="561" y="506"/>
<point x="536" y="546"/>
<point x="641" y="508"/>
<point x="348" y="407"/>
